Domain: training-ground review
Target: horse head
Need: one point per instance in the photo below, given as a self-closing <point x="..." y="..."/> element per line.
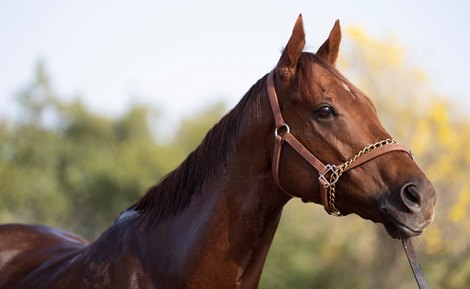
<point x="321" y="117"/>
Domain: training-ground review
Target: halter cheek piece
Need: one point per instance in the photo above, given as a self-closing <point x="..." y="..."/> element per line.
<point x="328" y="174"/>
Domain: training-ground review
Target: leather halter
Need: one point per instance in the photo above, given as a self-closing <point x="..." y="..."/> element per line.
<point x="282" y="134"/>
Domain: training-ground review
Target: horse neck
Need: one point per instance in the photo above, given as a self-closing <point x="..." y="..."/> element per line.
<point x="229" y="224"/>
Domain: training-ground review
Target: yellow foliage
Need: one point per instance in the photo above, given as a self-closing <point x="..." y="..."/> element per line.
<point x="466" y="152"/>
<point x="458" y="211"/>
<point x="394" y="53"/>
<point x="421" y="139"/>
<point x="442" y="170"/>
<point x="440" y="116"/>
<point x="420" y="75"/>
<point x="434" y="241"/>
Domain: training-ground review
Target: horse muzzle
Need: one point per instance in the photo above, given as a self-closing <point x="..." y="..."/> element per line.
<point x="410" y="212"/>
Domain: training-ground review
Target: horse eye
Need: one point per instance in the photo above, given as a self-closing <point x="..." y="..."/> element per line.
<point x="325" y="111"/>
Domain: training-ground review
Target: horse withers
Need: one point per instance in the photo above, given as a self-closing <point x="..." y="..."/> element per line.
<point x="301" y="131"/>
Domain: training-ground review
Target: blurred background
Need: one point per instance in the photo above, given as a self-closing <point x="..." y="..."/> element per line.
<point x="99" y="100"/>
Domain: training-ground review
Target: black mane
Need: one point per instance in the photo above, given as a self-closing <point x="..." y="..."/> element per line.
<point x="174" y="192"/>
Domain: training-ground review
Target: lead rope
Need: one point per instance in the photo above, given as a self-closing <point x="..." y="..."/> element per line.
<point x="414" y="263"/>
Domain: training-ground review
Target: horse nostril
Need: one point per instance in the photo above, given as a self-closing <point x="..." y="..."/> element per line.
<point x="411" y="197"/>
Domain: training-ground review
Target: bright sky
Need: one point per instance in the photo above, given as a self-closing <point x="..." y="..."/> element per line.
<point x="182" y="55"/>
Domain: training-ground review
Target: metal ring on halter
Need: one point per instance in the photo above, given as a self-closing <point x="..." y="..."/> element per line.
<point x="321" y="176"/>
<point x="285" y="126"/>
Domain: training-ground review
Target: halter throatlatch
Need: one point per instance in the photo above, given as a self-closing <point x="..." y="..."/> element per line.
<point x="328" y="174"/>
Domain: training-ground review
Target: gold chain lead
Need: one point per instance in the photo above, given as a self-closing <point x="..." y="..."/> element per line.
<point x="340" y="169"/>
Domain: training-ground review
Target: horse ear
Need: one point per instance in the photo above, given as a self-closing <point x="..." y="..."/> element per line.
<point x="330" y="48"/>
<point x="287" y="64"/>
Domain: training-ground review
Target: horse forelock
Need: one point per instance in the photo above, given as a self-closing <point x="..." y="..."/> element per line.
<point x="175" y="191"/>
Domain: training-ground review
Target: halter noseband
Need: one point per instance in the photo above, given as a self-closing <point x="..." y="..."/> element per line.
<point x="327" y="184"/>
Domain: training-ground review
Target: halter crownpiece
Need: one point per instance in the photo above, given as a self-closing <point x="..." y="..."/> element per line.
<point x="328" y="174"/>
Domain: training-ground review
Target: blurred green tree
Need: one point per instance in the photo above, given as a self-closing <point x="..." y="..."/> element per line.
<point x="65" y="166"/>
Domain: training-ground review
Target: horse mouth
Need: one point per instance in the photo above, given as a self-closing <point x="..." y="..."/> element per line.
<point x="397" y="229"/>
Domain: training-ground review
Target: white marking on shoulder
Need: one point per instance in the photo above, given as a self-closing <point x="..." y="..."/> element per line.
<point x="127" y="214"/>
<point x="7" y="255"/>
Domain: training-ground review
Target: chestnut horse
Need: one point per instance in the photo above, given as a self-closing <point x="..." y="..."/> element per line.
<point x="210" y="222"/>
